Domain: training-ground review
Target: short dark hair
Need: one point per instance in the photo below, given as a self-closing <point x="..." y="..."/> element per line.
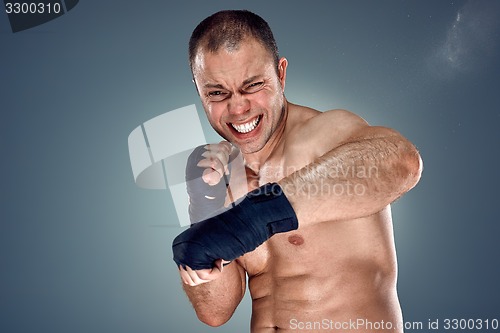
<point x="228" y="28"/>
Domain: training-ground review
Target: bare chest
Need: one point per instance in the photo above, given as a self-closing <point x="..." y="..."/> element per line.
<point x="327" y="247"/>
<point x="295" y="246"/>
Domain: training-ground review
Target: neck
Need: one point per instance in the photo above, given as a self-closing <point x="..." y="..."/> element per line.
<point x="254" y="161"/>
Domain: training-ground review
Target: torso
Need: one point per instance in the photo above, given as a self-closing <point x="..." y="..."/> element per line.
<point x="325" y="275"/>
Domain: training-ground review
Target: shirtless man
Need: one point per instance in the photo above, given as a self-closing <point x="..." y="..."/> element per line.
<point x="335" y="272"/>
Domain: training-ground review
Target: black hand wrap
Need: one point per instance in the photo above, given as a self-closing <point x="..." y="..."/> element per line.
<point x="201" y="207"/>
<point x="261" y="214"/>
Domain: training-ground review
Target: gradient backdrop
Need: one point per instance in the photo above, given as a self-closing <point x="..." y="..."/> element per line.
<point x="83" y="249"/>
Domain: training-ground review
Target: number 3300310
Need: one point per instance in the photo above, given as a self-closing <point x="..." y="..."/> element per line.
<point x="32" y="8"/>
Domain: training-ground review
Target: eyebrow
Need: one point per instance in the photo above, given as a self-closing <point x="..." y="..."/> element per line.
<point x="212" y="85"/>
<point x="249" y="80"/>
<point x="220" y="86"/>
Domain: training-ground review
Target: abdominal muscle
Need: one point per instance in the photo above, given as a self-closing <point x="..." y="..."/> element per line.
<point x="326" y="275"/>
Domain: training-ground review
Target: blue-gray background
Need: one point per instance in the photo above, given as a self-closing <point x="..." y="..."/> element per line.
<point x="82" y="249"/>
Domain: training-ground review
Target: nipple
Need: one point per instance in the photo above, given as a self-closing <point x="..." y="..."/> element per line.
<point x="296" y="239"/>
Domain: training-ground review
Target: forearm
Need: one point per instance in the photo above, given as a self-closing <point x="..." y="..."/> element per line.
<point x="216" y="301"/>
<point x="356" y="179"/>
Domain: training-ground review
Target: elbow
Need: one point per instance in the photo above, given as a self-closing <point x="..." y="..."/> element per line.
<point x="413" y="166"/>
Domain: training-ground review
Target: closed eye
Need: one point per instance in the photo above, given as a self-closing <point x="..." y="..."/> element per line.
<point x="217" y="95"/>
<point x="254" y="87"/>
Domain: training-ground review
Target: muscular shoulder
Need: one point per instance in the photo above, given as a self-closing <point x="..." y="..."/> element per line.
<point x="318" y="132"/>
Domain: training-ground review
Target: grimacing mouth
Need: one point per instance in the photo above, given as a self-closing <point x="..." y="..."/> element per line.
<point x="248" y="126"/>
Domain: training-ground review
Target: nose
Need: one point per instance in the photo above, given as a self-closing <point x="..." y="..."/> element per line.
<point x="238" y="104"/>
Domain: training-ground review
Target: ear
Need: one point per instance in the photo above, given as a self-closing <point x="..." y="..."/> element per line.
<point x="282" y="65"/>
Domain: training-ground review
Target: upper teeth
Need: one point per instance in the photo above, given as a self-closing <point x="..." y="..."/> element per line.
<point x="245" y="128"/>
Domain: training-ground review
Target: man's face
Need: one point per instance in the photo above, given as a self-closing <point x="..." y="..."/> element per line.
<point x="241" y="92"/>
